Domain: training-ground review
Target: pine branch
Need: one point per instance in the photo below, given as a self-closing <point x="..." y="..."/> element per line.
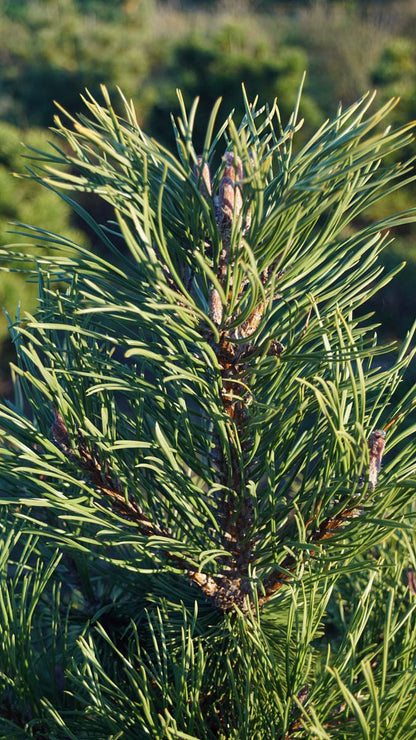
<point x="102" y="478"/>
<point x="330" y="525"/>
<point x="213" y="391"/>
<point x="234" y="351"/>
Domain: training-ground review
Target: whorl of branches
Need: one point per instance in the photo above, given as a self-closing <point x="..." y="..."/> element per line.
<point x="238" y="304"/>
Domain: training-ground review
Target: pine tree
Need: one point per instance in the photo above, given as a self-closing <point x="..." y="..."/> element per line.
<point x="198" y="536"/>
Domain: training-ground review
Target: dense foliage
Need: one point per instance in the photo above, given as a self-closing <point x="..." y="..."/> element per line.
<point x="197" y="537"/>
<point x="52" y="49"/>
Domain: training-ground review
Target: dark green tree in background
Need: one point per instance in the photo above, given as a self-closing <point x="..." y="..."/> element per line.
<point x="197" y="537"/>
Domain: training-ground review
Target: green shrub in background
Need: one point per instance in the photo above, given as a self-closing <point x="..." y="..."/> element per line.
<point x="21" y="201"/>
<point x="214" y="66"/>
<point x="198" y="538"/>
<point x="343" y="42"/>
<point x="396" y="74"/>
<point x="52" y="49"/>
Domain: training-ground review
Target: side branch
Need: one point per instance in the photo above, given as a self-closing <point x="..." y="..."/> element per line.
<point x="224" y="591"/>
<point x="330" y="525"/>
<point x="102" y="478"/>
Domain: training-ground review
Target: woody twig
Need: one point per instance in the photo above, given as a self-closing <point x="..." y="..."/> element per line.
<point x="221" y="590"/>
<point x="102" y="477"/>
<point x="330" y="525"/>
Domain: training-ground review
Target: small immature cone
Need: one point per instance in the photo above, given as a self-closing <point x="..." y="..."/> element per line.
<point x="303" y="694"/>
<point x="411" y="580"/>
<point x="215" y="307"/>
<point x="376" y="445"/>
<point x="205" y="175"/>
<point x="230" y="200"/>
<point x="276" y="348"/>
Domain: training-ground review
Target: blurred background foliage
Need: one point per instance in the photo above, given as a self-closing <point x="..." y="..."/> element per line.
<point x="53" y="49"/>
